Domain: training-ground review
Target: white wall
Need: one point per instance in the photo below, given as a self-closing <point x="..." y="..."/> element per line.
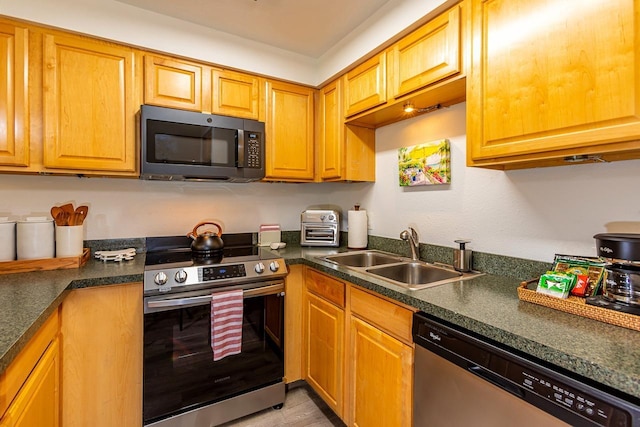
<point x="120" y="208"/>
<point x="533" y="213"/>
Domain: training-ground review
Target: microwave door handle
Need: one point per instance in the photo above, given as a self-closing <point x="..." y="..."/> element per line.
<point x="240" y="148"/>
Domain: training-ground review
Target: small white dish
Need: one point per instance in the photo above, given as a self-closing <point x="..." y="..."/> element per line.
<point x="278" y="245"/>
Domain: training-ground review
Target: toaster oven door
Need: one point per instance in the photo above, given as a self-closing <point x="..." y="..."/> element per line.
<point x="319" y="235"/>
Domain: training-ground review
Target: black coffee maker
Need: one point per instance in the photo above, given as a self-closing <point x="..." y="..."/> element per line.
<point x="621" y="291"/>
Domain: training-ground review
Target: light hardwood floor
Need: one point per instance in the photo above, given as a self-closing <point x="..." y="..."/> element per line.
<point x="302" y="408"/>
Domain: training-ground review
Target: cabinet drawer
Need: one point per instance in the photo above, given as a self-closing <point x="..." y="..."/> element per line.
<point x="326" y="287"/>
<point x="389" y="317"/>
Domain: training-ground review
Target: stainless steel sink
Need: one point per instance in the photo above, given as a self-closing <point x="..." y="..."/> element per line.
<point x="398" y="270"/>
<point x="363" y="259"/>
<point x="415" y="274"/>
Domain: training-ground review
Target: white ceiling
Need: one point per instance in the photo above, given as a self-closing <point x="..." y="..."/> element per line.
<point x="306" y="27"/>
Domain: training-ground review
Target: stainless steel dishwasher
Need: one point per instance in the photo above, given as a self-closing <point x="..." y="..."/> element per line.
<point x="461" y="379"/>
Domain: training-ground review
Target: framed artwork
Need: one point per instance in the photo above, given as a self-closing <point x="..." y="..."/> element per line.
<point x="425" y="164"/>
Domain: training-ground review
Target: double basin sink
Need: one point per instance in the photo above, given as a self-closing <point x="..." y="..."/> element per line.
<point x="398" y="270"/>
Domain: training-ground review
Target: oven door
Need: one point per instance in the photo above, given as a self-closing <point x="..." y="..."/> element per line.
<point x="179" y="372"/>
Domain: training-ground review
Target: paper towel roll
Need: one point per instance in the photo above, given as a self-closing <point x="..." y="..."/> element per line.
<point x="357" y="235"/>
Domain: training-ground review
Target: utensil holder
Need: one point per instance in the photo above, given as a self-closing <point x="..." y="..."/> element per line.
<point x="69" y="240"/>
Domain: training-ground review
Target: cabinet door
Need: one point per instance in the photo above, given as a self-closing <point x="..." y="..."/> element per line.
<point x="38" y="402"/>
<point x="325" y="350"/>
<point x="293" y="324"/>
<point x="14" y="107"/>
<point x="380" y="378"/>
<point x="429" y="54"/>
<point x="102" y="356"/>
<point x="90" y="105"/>
<point x="331" y="132"/>
<point x="552" y="79"/>
<point x="289" y="128"/>
<point x="172" y="83"/>
<point x="365" y="86"/>
<point x="235" y="94"/>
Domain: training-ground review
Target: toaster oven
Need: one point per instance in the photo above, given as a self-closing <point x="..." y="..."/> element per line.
<point x="320" y="227"/>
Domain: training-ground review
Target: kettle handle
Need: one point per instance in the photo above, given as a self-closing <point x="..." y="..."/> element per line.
<point x="193" y="234"/>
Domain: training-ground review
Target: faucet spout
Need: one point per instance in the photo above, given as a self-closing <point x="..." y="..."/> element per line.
<point x="411" y="236"/>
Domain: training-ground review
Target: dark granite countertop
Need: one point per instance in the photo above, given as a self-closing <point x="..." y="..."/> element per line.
<point x="487" y="305"/>
<point x="27" y="299"/>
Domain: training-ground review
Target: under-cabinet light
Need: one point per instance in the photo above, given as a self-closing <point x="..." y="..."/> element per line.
<point x="410" y="108"/>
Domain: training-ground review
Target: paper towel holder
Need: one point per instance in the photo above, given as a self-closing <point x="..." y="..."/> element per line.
<point x="357" y="239"/>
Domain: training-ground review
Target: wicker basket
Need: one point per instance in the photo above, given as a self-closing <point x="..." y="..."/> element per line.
<point x="578" y="306"/>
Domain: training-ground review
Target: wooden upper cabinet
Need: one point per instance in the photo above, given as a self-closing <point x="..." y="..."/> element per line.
<point x="344" y="152"/>
<point x="173" y="83"/>
<point x="551" y="79"/>
<point x="235" y="94"/>
<point x="14" y="105"/>
<point x="330" y="124"/>
<point x="429" y="54"/>
<point x="365" y="86"/>
<point x="289" y="129"/>
<point x="90" y="103"/>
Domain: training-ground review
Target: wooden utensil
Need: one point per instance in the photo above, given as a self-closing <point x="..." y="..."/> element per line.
<point x="55" y="211"/>
<point x="62" y="218"/>
<point x="81" y="214"/>
<point x="68" y="208"/>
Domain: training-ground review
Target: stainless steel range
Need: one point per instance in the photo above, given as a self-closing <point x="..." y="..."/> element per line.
<point x="183" y="385"/>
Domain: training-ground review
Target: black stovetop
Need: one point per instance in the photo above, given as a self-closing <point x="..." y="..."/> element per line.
<point x="177" y="249"/>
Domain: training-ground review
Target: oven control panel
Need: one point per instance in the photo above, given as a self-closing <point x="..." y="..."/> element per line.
<point x="208" y="274"/>
<point x="163" y="279"/>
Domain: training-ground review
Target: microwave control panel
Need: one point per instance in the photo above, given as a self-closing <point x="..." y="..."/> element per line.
<point x="252" y="147"/>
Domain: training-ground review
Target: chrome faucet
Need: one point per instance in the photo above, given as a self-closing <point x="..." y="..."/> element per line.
<point x="411" y="236"/>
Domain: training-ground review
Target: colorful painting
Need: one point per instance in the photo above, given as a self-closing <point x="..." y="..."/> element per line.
<point x="425" y="164"/>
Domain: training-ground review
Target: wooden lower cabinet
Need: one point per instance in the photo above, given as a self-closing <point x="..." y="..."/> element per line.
<point x="29" y="388"/>
<point x="37" y="404"/>
<point x="101" y="329"/>
<point x="380" y="380"/>
<point x="325" y="350"/>
<point x="293" y="309"/>
<point x="358" y="352"/>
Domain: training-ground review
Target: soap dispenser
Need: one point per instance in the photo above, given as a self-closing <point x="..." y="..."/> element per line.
<point x="462" y="257"/>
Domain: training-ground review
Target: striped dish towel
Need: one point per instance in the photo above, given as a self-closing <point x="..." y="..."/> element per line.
<point x="226" y="323"/>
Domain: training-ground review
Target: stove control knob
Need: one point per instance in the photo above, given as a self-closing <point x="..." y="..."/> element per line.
<point x="274" y="266"/>
<point x="160" y="279"/>
<point x="181" y="276"/>
<point x="259" y="268"/>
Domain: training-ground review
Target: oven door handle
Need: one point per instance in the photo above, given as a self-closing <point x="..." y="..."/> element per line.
<point x="248" y="293"/>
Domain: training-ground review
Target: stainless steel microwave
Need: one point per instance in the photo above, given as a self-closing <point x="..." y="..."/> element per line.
<point x="178" y="145"/>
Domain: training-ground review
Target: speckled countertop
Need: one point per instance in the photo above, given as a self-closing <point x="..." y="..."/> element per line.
<point x="487" y="305"/>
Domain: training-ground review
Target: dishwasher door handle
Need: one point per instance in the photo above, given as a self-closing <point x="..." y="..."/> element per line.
<point x="496" y="380"/>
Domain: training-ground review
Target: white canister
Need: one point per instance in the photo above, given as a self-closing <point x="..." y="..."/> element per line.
<point x="69" y="240"/>
<point x="7" y="239"/>
<point x="35" y="238"/>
